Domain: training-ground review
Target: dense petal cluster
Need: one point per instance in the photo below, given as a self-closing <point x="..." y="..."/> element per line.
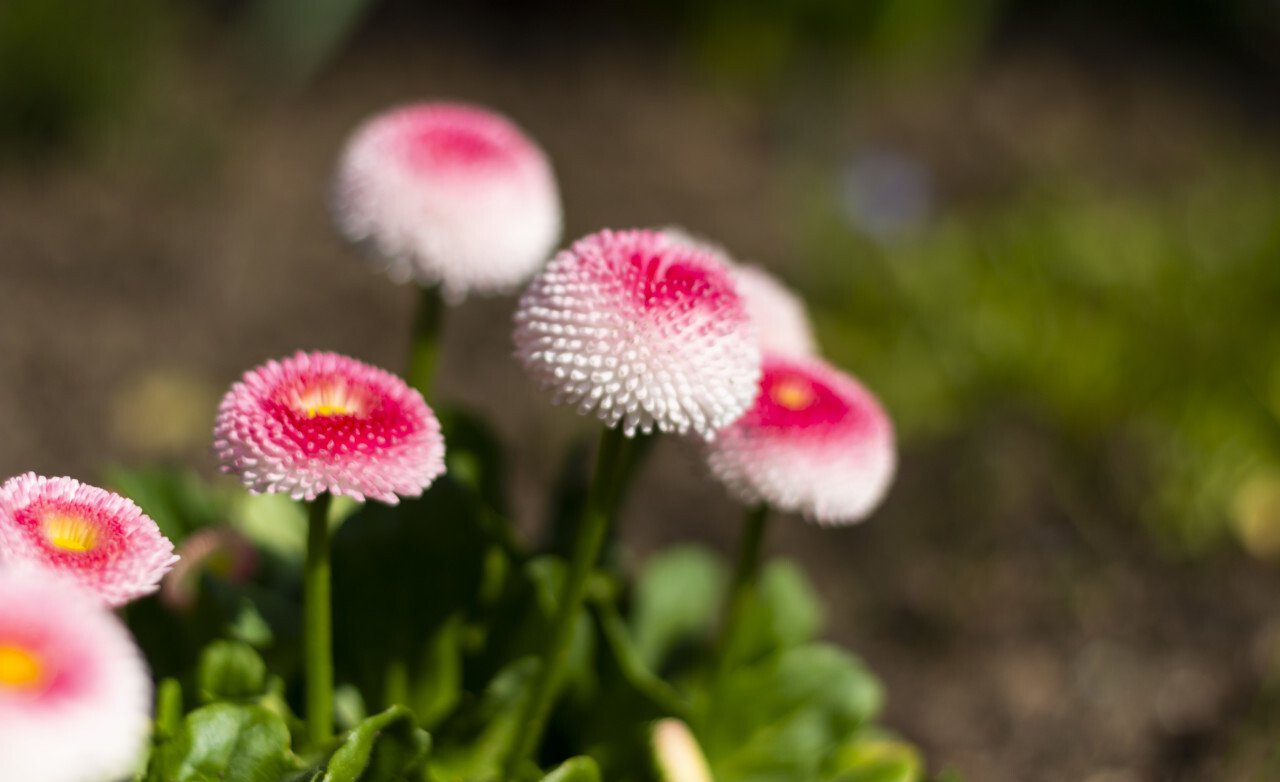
<point x="74" y="690"/>
<point x="320" y="422"/>
<point x="644" y="330"/>
<point x="815" y="442"/>
<point x="779" y="315"/>
<point x="95" y="537"/>
<point x="451" y="194"/>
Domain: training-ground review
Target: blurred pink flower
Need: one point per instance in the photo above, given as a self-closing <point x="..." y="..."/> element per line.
<point x="101" y="540"/>
<point x="644" y="330"/>
<point x="320" y="422"/>
<point x="218" y="550"/>
<point x="448" y="193"/>
<point x="75" y="694"/>
<point x="780" y="316"/>
<point x="815" y="442"/>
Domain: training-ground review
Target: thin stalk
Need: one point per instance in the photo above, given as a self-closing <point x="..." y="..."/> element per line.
<point x="596" y="516"/>
<point x="424" y="350"/>
<point x="317" y="624"/>
<point x="746" y="574"/>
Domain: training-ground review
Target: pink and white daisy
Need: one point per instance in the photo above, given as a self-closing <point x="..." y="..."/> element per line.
<point x="815" y="442"/>
<point x="320" y="422"/>
<point x="449" y="193"/>
<point x="97" y="538"/>
<point x="779" y="314"/>
<point x="218" y="550"/>
<point x="75" y="694"/>
<point x="644" y="330"/>
<point x="782" y="322"/>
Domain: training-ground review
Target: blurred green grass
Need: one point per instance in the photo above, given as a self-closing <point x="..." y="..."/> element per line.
<point x="1146" y="316"/>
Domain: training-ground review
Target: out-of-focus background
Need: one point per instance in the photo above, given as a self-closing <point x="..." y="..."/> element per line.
<point x="1046" y="232"/>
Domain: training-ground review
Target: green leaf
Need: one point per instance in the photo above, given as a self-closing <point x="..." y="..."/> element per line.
<point x="579" y="769"/>
<point x="795" y="610"/>
<point x="399" y="574"/>
<point x="439" y="684"/>
<point x="224" y="742"/>
<point x="785" y="713"/>
<point x="479" y="738"/>
<point x="664" y="699"/>
<point x="875" y="757"/>
<point x="785" y="612"/>
<point x="386" y="747"/>
<point x="475" y="455"/>
<point x="677" y="597"/>
<point x="230" y="670"/>
<point x="519" y="623"/>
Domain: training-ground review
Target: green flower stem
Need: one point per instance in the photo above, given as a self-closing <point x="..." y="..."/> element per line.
<point x="317" y="624"/>
<point x="424" y="351"/>
<point x="601" y="499"/>
<point x="746" y="574"/>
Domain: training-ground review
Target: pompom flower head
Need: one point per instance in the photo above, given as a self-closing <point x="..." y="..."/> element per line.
<point x="815" y="442"/>
<point x="321" y="422"/>
<point x="97" y="538"/>
<point x="644" y="330"/>
<point x="74" y="690"/>
<point x="451" y="194"/>
<point x="779" y="314"/>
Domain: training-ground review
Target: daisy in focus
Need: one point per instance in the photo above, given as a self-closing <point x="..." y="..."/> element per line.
<point x="74" y="691"/>
<point x="645" y="330"/>
<point x="448" y="194"/>
<point x="100" y="540"/>
<point x="815" y="442"/>
<point x="321" y="422"/>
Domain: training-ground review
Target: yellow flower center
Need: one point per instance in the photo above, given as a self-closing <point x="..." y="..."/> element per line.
<point x="329" y="398"/>
<point x="71" y="533"/>
<point x="19" y="668"/>
<point x="793" y="393"/>
<point x="326" y="410"/>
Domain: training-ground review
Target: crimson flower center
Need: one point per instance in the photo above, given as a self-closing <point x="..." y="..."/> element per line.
<point x="433" y="146"/>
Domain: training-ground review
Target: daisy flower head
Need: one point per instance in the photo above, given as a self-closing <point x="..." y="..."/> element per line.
<point x="645" y="331"/>
<point x="448" y="193"/>
<point x="100" y="540"/>
<point x="815" y="442"/>
<point x="75" y="693"/>
<point x="318" y="422"/>
<point x="782" y="322"/>
<point x="779" y="314"/>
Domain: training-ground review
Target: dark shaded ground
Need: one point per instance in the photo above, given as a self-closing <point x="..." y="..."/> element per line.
<point x="1023" y="634"/>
